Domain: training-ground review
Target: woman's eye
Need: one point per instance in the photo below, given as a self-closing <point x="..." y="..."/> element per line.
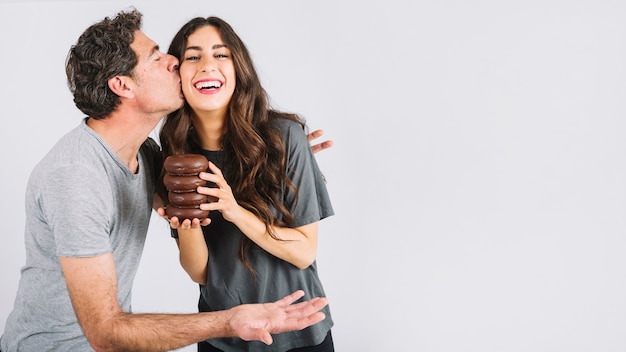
<point x="221" y="56"/>
<point x="192" y="58"/>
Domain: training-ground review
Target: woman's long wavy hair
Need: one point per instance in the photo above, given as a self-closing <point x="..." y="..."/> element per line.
<point x="255" y="157"/>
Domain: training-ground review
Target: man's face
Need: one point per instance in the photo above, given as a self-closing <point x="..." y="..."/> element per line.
<point x="156" y="76"/>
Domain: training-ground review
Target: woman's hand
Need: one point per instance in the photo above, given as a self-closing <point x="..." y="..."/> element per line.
<point x="297" y="246"/>
<point x="186" y="224"/>
<point x="222" y="196"/>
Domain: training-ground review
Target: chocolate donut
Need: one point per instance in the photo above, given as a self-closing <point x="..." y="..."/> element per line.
<point x="181" y="180"/>
<point x="177" y="183"/>
<point x="186" y="199"/>
<point x="185" y="213"/>
<point x="185" y="164"/>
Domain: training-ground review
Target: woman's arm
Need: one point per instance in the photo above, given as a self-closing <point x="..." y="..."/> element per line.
<point x="194" y="253"/>
<point x="193" y="250"/>
<point x="297" y="246"/>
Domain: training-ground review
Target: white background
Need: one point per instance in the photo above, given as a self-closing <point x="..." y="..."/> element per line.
<point x="478" y="174"/>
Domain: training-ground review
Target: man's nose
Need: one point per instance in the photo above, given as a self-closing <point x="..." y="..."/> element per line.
<point x="174" y="63"/>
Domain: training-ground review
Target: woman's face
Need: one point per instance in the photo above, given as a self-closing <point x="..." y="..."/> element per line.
<point x="207" y="72"/>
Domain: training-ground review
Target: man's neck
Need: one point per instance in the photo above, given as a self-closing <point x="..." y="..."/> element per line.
<point x="123" y="135"/>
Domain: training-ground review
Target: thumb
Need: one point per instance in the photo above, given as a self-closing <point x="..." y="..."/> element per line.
<point x="266" y="337"/>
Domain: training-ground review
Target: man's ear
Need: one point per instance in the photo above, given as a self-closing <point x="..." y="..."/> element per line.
<point x="120" y="86"/>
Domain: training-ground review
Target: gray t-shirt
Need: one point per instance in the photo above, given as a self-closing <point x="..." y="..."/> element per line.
<point x="81" y="201"/>
<point x="229" y="282"/>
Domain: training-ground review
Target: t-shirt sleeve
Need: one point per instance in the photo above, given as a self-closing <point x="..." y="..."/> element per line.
<point x="313" y="201"/>
<point x="76" y="210"/>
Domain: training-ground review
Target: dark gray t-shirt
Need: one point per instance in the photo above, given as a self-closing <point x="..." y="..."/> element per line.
<point x="229" y="283"/>
<point x="81" y="201"/>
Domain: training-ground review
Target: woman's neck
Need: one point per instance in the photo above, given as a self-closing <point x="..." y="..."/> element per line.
<point x="210" y="130"/>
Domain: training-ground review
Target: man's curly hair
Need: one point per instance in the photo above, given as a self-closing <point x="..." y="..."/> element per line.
<point x="103" y="51"/>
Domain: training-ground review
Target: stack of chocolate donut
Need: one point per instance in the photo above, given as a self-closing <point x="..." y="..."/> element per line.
<point x="181" y="180"/>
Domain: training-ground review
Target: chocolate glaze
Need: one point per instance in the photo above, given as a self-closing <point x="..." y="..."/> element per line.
<point x="176" y="183"/>
<point x="185" y="199"/>
<point x="181" y="180"/>
<point x="185" y="213"/>
<point x="185" y="164"/>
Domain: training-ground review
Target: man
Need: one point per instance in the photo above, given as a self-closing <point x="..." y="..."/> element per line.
<point x="88" y="206"/>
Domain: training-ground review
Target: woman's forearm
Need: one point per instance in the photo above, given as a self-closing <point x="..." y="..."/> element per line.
<point x="194" y="254"/>
<point x="297" y="246"/>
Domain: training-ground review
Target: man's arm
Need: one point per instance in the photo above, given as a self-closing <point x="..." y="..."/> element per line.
<point x="92" y="284"/>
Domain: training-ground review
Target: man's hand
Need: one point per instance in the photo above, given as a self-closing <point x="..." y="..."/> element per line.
<point x="320" y="146"/>
<point x="258" y="321"/>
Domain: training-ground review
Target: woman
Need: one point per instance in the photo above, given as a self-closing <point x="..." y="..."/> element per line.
<point x="260" y="240"/>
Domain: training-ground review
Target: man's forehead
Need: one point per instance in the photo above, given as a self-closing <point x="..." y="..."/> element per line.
<point x="143" y="45"/>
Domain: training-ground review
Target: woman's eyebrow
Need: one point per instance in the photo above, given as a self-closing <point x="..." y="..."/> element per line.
<point x="214" y="47"/>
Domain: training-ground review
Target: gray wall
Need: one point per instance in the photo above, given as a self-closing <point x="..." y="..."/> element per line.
<point x="478" y="173"/>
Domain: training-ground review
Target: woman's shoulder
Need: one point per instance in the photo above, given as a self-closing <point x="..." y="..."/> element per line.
<point x="288" y="126"/>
